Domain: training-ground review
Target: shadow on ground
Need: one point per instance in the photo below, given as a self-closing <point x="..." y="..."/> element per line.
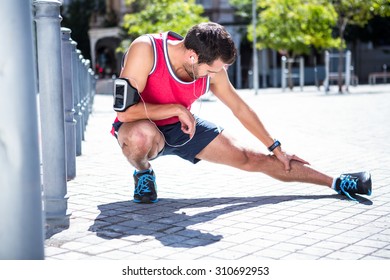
<point x="169" y="220"/>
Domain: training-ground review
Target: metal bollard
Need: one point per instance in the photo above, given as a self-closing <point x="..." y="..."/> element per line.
<point x="47" y="17"/>
<point x="21" y="230"/>
<point x="92" y="82"/>
<point x="301" y="73"/>
<point x="79" y="126"/>
<point x="87" y="63"/>
<point x="327" y="71"/>
<point x="70" y="123"/>
<point x="76" y="95"/>
<point x="89" y="87"/>
<point x="283" y="73"/>
<point x="347" y="70"/>
<point x="82" y="96"/>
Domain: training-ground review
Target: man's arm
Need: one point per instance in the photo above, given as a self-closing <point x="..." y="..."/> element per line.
<point x="224" y="90"/>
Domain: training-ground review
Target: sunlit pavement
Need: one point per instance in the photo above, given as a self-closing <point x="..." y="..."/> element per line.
<point x="214" y="212"/>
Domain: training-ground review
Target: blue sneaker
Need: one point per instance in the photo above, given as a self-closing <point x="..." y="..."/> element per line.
<point x="145" y="190"/>
<point x="354" y="183"/>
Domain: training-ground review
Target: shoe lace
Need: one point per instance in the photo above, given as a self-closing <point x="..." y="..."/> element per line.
<point x="348" y="182"/>
<point x="143" y="184"/>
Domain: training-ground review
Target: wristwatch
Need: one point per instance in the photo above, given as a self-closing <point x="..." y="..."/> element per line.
<point x="274" y="145"/>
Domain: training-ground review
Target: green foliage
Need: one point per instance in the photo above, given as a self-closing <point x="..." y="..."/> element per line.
<point x="358" y="12"/>
<point x="153" y="16"/>
<point x="243" y="8"/>
<point x="381" y="8"/>
<point x="294" y="26"/>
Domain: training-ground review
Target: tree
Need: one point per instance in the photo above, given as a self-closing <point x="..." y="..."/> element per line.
<point x="292" y="27"/>
<point x="355" y="12"/>
<point x="153" y="16"/>
<point x="287" y="24"/>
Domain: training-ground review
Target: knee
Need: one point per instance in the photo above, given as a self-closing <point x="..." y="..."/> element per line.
<point x="138" y="137"/>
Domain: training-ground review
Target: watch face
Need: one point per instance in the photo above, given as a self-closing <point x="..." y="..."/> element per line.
<point x="119" y="96"/>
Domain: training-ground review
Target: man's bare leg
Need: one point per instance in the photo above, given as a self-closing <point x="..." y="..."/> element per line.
<point x="224" y="150"/>
<point x="140" y="141"/>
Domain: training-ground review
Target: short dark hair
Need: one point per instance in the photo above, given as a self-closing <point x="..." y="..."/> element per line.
<point x="210" y="41"/>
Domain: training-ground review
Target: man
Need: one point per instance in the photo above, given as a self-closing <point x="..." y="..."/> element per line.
<point x="169" y="73"/>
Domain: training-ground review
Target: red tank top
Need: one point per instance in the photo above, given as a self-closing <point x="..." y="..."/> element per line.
<point x="163" y="86"/>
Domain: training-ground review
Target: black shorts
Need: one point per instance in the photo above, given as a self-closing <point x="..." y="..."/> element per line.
<point x="177" y="142"/>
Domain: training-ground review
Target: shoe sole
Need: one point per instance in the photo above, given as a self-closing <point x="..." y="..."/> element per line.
<point x="145" y="201"/>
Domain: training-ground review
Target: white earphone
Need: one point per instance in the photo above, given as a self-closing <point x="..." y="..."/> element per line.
<point x="192" y="59"/>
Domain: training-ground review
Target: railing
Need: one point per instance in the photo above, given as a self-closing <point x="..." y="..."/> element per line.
<point x="46" y="98"/>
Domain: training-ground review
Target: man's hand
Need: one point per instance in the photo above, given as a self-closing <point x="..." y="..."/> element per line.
<point x="286" y="159"/>
<point x="187" y="121"/>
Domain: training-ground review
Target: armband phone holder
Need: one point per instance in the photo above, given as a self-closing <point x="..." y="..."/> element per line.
<point x="125" y="95"/>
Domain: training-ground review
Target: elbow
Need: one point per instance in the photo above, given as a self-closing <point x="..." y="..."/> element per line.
<point x="131" y="114"/>
<point x="125" y="116"/>
<point x="121" y="116"/>
<point x="239" y="112"/>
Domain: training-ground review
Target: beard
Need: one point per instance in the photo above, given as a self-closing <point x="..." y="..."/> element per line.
<point x="191" y="71"/>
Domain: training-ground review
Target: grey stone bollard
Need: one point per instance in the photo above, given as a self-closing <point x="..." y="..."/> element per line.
<point x="21" y="230"/>
<point x="82" y="95"/>
<point x="70" y="122"/>
<point x="92" y="84"/>
<point x="87" y="98"/>
<point x="84" y="102"/>
<point x="47" y="17"/>
<point x="283" y="74"/>
<point x="76" y="95"/>
<point x="327" y="71"/>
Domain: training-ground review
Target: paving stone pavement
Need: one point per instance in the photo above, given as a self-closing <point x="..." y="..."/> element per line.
<point x="214" y="212"/>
